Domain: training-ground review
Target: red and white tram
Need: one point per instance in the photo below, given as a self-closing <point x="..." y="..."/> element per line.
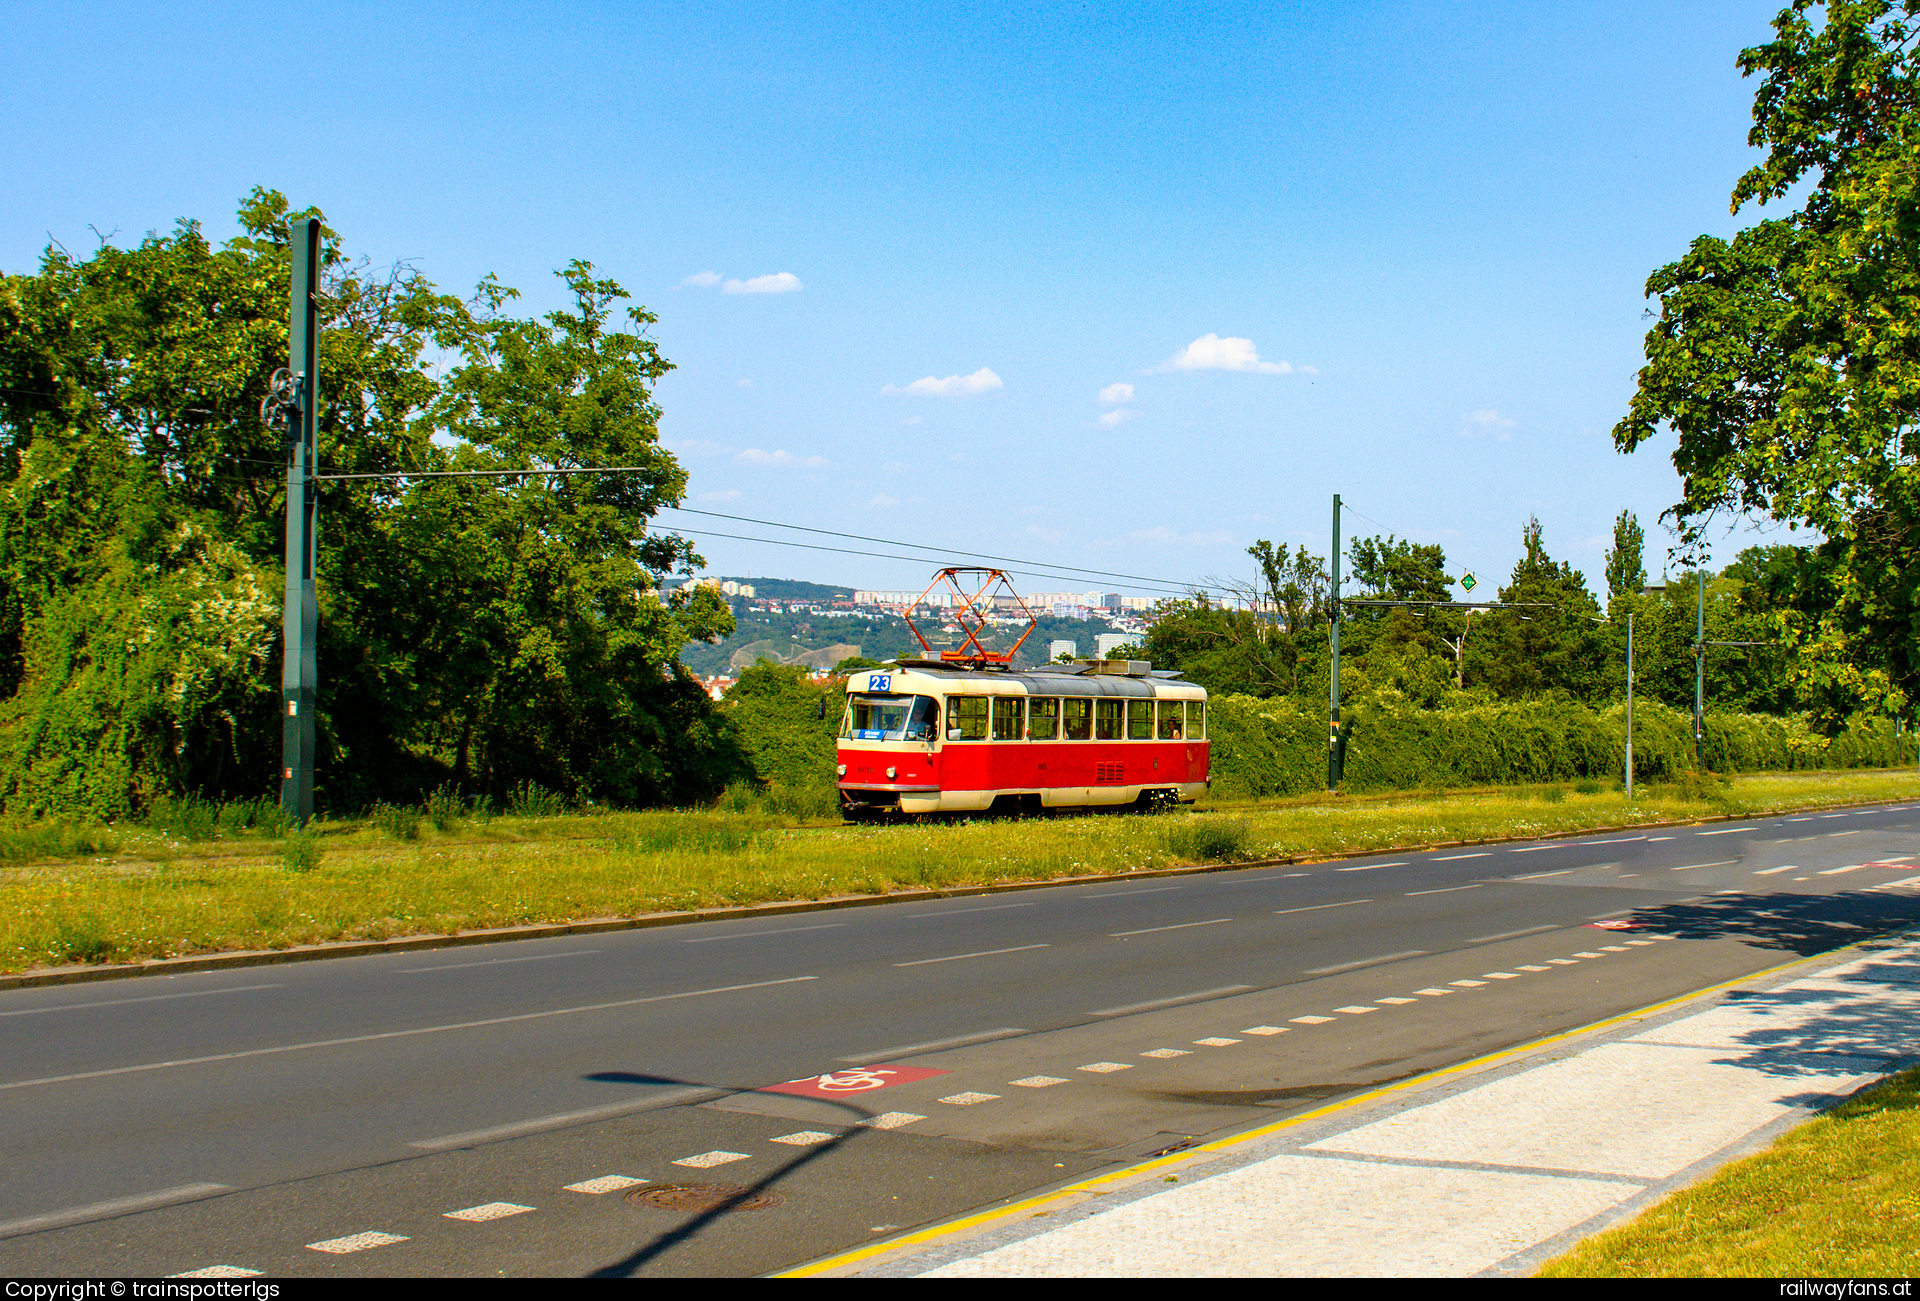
<point x="926" y="736"/>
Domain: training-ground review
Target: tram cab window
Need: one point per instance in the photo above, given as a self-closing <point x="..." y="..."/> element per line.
<point x="1196" y="720"/>
<point x="967" y="718"/>
<point x="1043" y="719"/>
<point x="1107" y="716"/>
<point x="891" y="718"/>
<point x="1007" y="720"/>
<point x="1076" y="717"/>
<point x="1139" y="720"/>
<point x="1171" y="712"/>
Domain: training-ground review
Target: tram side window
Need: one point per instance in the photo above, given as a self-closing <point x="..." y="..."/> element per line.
<point x="1043" y="719"/>
<point x="1077" y="719"/>
<point x="1196" y="720"/>
<point x="966" y="718"/>
<point x="1006" y="717"/>
<point x="1107" y="719"/>
<point x="1139" y="720"/>
<point x="1171" y="716"/>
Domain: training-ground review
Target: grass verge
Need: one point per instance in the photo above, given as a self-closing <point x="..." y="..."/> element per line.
<point x="159" y="895"/>
<point x="1837" y="1197"/>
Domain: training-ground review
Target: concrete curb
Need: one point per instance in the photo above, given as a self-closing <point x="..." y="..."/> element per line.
<point x="364" y="948"/>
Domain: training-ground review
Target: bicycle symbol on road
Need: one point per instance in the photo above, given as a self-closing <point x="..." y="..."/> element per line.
<point x="857" y="1081"/>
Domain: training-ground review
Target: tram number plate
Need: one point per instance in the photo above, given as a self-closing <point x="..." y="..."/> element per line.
<point x="879" y="682"/>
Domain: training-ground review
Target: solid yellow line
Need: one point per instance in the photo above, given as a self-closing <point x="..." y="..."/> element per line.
<point x="1100" y="1182"/>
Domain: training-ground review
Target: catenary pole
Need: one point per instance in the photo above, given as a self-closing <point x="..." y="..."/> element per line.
<point x="300" y="669"/>
<point x="1333" y="677"/>
<point x="1629" y="703"/>
<point x="1699" y="667"/>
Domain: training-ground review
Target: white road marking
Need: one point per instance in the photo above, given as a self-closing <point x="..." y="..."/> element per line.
<point x="908" y="1050"/>
<point x="121" y="1002"/>
<point x="1769" y="871"/>
<point x="402" y="1034"/>
<point x="1618" y="840"/>
<point x="1836" y="871"/>
<point x="1640" y="943"/>
<point x="1173" y="1001"/>
<point x="355" y="1242"/>
<point x="1356" y="1010"/>
<point x="1396" y="1001"/>
<point x="1651" y="839"/>
<point x="1311" y="1020"/>
<point x="984" y="953"/>
<point x="1825" y="816"/>
<point x="613" y="1183"/>
<point x="1467" y="984"/>
<point x="1414" y="894"/>
<point x="497" y="962"/>
<point x="218" y="1271"/>
<point x="968" y="1099"/>
<point x="802" y="1138"/>
<point x="1508" y="935"/>
<point x="1527" y="967"/>
<point x="1535" y="876"/>
<point x="1583" y="953"/>
<point x="1725" y="862"/>
<point x="1128" y="894"/>
<point x="1832" y="834"/>
<point x="1534" y="849"/>
<point x="1364" y="962"/>
<point x="1177" y="926"/>
<point x="1104" y="1068"/>
<point x="1166" y="1052"/>
<point x="488" y="1211"/>
<point x="1905" y="880"/>
<point x="1316" y="907"/>
<point x="1799" y="819"/>
<point x="1433" y="993"/>
<point x="1724" y="831"/>
<point x="1448" y="858"/>
<point x="955" y="912"/>
<point x="1038" y="1081"/>
<point x="1265" y="1029"/>
<point x="1285" y="875"/>
<point x="1500" y="975"/>
<point x="565" y="1118"/>
<point x="891" y="1120"/>
<point x="100" y="1210"/>
<point x="1614" y="948"/>
<point x="708" y="1160"/>
<point x="754" y="935"/>
<point x="1216" y="1041"/>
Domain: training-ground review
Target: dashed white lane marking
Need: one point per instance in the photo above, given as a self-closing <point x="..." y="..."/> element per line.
<point x="1769" y="871"/>
<point x="1433" y="993"/>
<point x="1903" y="881"/>
<point x="968" y="1099"/>
<point x="984" y="953"/>
<point x="1563" y="962"/>
<point x="1364" y="962"/>
<point x="612" y="1183"/>
<point x="1396" y="1001"/>
<point x="1836" y="871"/>
<point x="1651" y="839"/>
<point x="1448" y="858"/>
<point x="1583" y="953"/>
<point x="1104" y="1068"/>
<point x="1356" y="1010"/>
<point x="1508" y="935"/>
<point x="488" y="1211"/>
<point x="1316" y="907"/>
<point x="1535" y="876"/>
<point x="1173" y="1000"/>
<point x="1725" y="862"/>
<point x="1467" y="984"/>
<point x="122" y="1002"/>
<point x="754" y="935"/>
<point x="1311" y="1020"/>
<point x="1415" y="894"/>
<point x="708" y="1160"/>
<point x="1216" y="1041"/>
<point x="1724" y="831"/>
<point x="955" y="912"/>
<point x="1166" y="1052"/>
<point x="891" y="1120"/>
<point x="1265" y="1029"/>
<point x="1832" y="834"/>
<point x="1825" y="816"/>
<point x="1529" y="967"/>
<point x="1177" y="926"/>
<point x="1534" y="849"/>
<point x="218" y="1271"/>
<point x="1640" y="944"/>
<point x="802" y="1138"/>
<point x="1500" y="975"/>
<point x="1799" y="819"/>
<point x="496" y="962"/>
<point x="1037" y="1081"/>
<point x="1128" y="894"/>
<point x="1613" y="948"/>
<point x="355" y="1242"/>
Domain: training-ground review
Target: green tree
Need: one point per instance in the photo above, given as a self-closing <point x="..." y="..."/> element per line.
<point x="1551" y="646"/>
<point x="1787" y="360"/>
<point x="1626" y="570"/>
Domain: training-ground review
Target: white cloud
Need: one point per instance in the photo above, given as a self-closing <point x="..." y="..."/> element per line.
<point x="1211" y="352"/>
<point x="784" y="282"/>
<point x="1486" y="421"/>
<point x="780" y="459"/>
<point x="730" y="494"/>
<point x="953" y="386"/>
<point x="880" y="501"/>
<point x="1114" y="394"/>
<point x="704" y="279"/>
<point x="1114" y="419"/>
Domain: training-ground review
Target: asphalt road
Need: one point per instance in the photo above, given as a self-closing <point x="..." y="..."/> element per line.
<point x="238" y="1118"/>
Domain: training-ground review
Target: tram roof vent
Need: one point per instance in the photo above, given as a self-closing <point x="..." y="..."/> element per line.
<point x="1118" y="668"/>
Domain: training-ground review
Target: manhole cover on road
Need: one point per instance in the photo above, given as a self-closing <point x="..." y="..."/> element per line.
<point x="704" y="1197"/>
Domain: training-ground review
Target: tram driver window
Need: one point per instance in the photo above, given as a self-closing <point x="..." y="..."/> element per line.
<point x="966" y="718"/>
<point x="1171" y="712"/>
<point x="925" y="723"/>
<point x="1076" y="718"/>
<point x="1107" y="716"/>
<point x="1007" y="717"/>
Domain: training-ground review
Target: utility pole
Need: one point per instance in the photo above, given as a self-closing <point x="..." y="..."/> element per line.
<point x="1333" y="680"/>
<point x="1699" y="666"/>
<point x="300" y="667"/>
<point x="1629" y="703"/>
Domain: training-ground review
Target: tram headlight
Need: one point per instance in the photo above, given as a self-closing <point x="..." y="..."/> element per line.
<point x="892" y="773"/>
<point x="842" y="770"/>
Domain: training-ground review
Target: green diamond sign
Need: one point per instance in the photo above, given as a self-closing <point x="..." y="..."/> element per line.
<point x="1469" y="582"/>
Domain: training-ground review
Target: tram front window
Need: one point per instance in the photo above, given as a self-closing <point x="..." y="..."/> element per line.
<point x="892" y="718"/>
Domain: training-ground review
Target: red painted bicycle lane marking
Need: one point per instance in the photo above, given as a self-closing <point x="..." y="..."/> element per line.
<point x="853" y="1081"/>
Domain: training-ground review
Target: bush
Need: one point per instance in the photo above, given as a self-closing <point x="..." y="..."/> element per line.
<point x="398" y="822"/>
<point x="443" y="807"/>
<point x="531" y="800"/>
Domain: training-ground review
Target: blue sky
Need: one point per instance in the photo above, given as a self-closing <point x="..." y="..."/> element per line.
<point x="1393" y="251"/>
